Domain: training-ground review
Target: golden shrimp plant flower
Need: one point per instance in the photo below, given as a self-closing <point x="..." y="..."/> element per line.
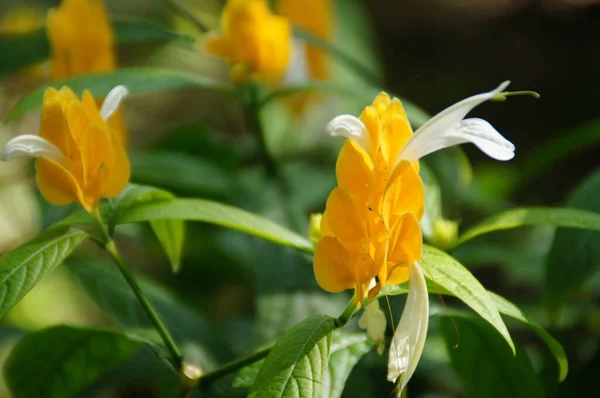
<point x="79" y="157"/>
<point x="253" y="40"/>
<point x="77" y="49"/>
<point x="371" y="233"/>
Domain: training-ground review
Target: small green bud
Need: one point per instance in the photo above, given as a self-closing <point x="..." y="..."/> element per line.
<point x="445" y="233"/>
<point x="314" y="229"/>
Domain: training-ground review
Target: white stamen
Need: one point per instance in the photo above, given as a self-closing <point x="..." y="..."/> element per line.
<point x="350" y="127"/>
<point x="409" y="339"/>
<point x="112" y="101"/>
<point x="32" y="146"/>
<point x="448" y="128"/>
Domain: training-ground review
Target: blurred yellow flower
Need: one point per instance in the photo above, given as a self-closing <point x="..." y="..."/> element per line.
<point x="253" y="40"/>
<point x="80" y="158"/>
<point x="81" y="38"/>
<point x="79" y="49"/>
<point x="316" y="17"/>
<point x="371" y="222"/>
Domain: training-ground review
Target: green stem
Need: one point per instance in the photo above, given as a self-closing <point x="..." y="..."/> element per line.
<point x="111" y="248"/>
<point x="253" y="104"/>
<point x="232" y="366"/>
<point x="206" y="380"/>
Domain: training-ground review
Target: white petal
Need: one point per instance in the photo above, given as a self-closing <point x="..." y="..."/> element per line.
<point x="297" y="71"/>
<point x="350" y="127"/>
<point x="409" y="339"/>
<point x="448" y="128"/>
<point x="112" y="101"/>
<point x="374" y="322"/>
<point x="33" y="146"/>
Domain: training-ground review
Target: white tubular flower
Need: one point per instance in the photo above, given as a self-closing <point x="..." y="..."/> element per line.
<point x="29" y="145"/>
<point x="448" y="128"/>
<point x="409" y="339"/>
<point x="351" y="127"/>
<point x="112" y="101"/>
<point x="374" y="322"/>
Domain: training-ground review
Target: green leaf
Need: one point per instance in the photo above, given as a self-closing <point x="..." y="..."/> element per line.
<point x="215" y="213"/>
<point x="558" y="216"/>
<point x="508" y="308"/>
<point x="433" y="201"/>
<point x="297" y="364"/>
<point x="137" y="80"/>
<point x="484" y="363"/>
<point x="443" y="270"/>
<point x="107" y="288"/>
<point x="180" y="172"/>
<point x="171" y="234"/>
<point x="62" y="360"/>
<point x="31" y="48"/>
<point x="574" y="256"/>
<point x="346" y="351"/>
<point x="24" y="267"/>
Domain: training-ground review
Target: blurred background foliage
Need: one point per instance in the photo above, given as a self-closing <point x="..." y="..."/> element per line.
<point x="235" y="293"/>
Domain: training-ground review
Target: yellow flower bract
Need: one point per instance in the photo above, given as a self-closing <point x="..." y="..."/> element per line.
<point x="81" y="40"/>
<point x="371" y="222"/>
<point x="316" y="17"/>
<point x="253" y="40"/>
<point x="95" y="163"/>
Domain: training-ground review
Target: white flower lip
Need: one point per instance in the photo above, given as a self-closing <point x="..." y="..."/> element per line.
<point x="350" y="127"/>
<point x="112" y="101"/>
<point x="448" y="128"/>
<point x="32" y="146"/>
<point x="409" y="338"/>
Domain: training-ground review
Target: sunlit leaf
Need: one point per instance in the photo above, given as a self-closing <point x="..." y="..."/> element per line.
<point x="443" y="270"/>
<point x="508" y="308"/>
<point x="485" y="365"/>
<point x="574" y="256"/>
<point x="24" y="267"/>
<point x="297" y="364"/>
<point x="215" y="213"/>
<point x="346" y="351"/>
<point x="137" y="80"/>
<point x="558" y="216"/>
<point x="62" y="360"/>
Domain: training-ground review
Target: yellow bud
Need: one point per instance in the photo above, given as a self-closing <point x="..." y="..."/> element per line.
<point x="314" y="228"/>
<point x="445" y="233"/>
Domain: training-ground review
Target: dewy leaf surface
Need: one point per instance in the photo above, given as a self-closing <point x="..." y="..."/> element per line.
<point x="24" y="267"/>
<point x="297" y="364"/>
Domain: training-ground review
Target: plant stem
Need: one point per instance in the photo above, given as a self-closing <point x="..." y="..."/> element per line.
<point x="253" y="105"/>
<point x="232" y="366"/>
<point x="209" y="378"/>
<point x="111" y="248"/>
